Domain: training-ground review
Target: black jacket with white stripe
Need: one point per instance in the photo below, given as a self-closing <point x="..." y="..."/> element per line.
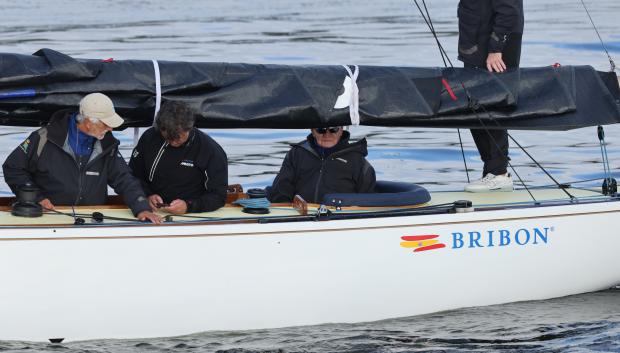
<point x="195" y="172"/>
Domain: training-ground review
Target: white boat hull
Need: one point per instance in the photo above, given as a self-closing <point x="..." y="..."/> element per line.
<point x="148" y="281"/>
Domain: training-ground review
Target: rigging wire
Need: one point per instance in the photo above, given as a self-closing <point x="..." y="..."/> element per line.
<point x="463" y="154"/>
<point x="604" y="158"/>
<point x="608" y="181"/>
<point x="474" y="107"/>
<point x="429" y="23"/>
<point x="611" y="61"/>
<point x="446" y="59"/>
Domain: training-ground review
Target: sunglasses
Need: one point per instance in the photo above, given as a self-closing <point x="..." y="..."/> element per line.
<point x="324" y="130"/>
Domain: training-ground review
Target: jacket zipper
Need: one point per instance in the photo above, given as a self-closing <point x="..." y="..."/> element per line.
<point x="332" y="156"/>
<point x="81" y="173"/>
<point x="80" y="180"/>
<point x="318" y="182"/>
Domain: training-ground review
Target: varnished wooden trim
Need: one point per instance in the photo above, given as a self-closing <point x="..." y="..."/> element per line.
<point x="301" y="231"/>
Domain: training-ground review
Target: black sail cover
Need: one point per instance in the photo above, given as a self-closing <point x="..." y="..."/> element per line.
<point x="232" y="95"/>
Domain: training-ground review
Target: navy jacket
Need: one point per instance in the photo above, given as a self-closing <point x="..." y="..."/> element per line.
<point x="485" y="26"/>
<point x="46" y="160"/>
<point x="306" y="173"/>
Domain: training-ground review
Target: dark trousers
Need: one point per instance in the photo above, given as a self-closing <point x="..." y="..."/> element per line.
<point x="493" y="144"/>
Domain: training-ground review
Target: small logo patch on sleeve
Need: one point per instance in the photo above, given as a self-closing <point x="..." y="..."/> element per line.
<point x="25" y="145"/>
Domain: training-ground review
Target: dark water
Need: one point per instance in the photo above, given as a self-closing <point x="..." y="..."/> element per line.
<point x="580" y="323"/>
<point x="387" y="32"/>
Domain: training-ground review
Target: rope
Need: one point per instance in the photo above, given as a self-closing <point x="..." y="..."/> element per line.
<point x="253" y="203"/>
<point x="611" y="61"/>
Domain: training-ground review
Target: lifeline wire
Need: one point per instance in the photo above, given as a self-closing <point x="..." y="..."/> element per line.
<point x="84" y="215"/>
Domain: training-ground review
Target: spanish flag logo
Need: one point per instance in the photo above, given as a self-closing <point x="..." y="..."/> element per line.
<point x="421" y="242"/>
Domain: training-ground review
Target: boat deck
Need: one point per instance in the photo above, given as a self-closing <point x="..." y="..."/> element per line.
<point x="231" y="212"/>
<point x="506" y="198"/>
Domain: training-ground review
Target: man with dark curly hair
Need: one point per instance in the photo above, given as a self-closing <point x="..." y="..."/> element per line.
<point x="181" y="168"/>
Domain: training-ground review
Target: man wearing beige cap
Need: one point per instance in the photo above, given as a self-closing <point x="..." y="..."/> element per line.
<point x="74" y="158"/>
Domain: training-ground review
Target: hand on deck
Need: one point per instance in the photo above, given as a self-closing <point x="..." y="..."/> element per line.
<point x="495" y="62"/>
<point x="148" y="215"/>
<point x="177" y="207"/>
<point x="46" y="204"/>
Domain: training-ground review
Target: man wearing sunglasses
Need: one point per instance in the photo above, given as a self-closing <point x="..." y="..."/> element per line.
<point x="326" y="162"/>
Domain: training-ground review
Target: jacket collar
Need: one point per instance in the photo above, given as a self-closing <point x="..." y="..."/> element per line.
<point x="58" y="129"/>
<point x="343" y="146"/>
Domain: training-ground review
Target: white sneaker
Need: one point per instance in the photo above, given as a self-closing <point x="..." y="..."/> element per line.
<point x="491" y="182"/>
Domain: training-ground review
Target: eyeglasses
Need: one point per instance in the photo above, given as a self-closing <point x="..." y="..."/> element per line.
<point x="324" y="130"/>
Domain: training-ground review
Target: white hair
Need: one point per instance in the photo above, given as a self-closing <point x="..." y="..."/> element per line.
<point x="79" y="118"/>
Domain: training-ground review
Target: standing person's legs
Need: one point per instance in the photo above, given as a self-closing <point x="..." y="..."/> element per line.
<point x="493" y="148"/>
<point x="493" y="145"/>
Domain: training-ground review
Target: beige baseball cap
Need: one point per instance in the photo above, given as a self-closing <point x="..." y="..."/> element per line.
<point x="99" y="106"/>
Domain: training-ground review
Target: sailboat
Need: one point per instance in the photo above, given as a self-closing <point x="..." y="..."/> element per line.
<point x="90" y="272"/>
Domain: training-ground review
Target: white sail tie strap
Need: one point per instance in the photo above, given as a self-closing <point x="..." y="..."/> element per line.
<point x="350" y="97"/>
<point x="136" y="136"/>
<point x="157" y="89"/>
